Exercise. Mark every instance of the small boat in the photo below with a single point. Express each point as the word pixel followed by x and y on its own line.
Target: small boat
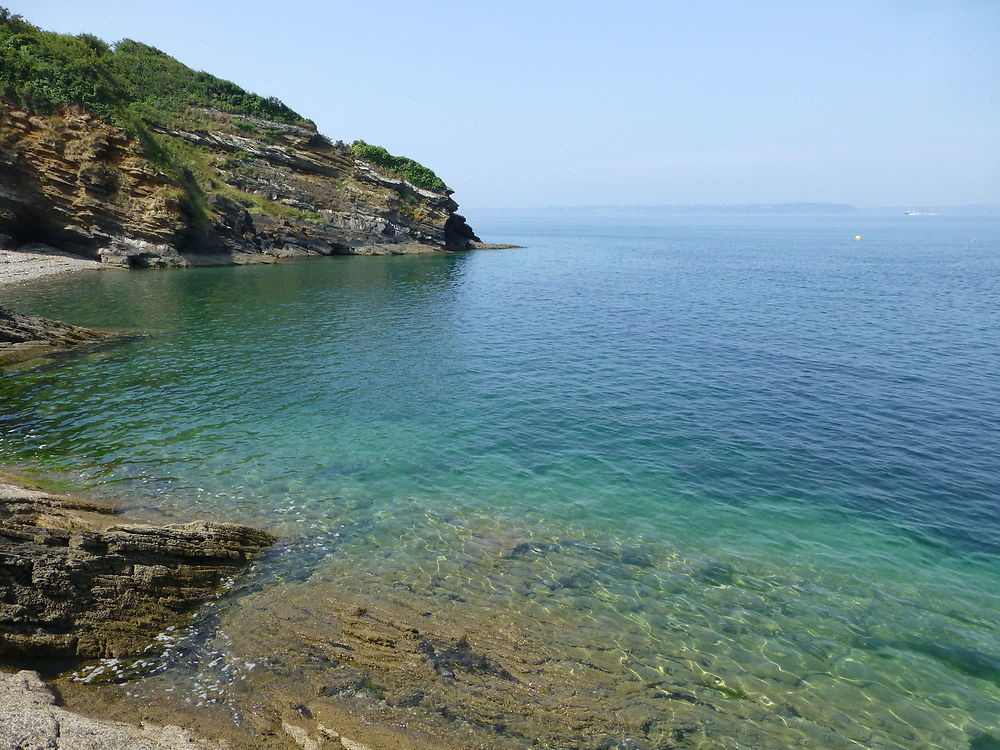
pixel 912 213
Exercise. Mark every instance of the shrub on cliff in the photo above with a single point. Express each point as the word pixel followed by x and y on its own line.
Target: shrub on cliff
pixel 159 80
pixel 39 70
pixel 408 169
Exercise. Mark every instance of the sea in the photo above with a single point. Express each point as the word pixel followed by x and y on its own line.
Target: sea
pixel 733 480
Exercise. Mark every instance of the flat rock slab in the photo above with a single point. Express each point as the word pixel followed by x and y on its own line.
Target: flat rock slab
pixel 76 582
pixel 24 337
pixel 31 720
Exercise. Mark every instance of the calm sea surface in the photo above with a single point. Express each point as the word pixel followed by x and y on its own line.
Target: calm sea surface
pixel 760 456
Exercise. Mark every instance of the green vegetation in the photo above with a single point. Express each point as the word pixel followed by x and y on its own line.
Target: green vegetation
pixel 245 127
pixel 128 83
pixel 273 208
pixel 719 686
pixel 408 169
pixel 188 165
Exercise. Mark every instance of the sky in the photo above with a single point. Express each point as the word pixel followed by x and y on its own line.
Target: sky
pixel 533 104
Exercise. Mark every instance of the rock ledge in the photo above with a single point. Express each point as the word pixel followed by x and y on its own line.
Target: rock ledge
pixel 24 337
pixel 76 583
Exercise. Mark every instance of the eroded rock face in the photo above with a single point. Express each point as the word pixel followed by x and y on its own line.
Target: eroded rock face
pixel 79 184
pixel 262 190
pixel 76 583
pixel 23 337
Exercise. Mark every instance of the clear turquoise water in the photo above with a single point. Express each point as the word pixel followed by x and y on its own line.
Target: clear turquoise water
pixel 786 439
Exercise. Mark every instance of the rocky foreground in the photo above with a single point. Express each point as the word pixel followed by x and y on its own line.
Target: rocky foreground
pixel 76 582
pixel 30 719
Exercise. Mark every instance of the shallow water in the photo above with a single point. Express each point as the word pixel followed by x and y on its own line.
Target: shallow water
pixel 715 481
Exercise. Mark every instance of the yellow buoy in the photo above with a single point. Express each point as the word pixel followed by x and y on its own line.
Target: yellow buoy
pixel 857 237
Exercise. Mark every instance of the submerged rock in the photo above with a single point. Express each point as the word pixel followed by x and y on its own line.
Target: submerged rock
pixel 447 657
pixel 77 583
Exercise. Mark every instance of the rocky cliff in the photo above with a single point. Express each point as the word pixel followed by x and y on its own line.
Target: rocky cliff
pixel 249 190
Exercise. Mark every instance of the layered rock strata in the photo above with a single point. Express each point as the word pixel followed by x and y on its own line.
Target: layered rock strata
pixel 76 582
pixel 253 191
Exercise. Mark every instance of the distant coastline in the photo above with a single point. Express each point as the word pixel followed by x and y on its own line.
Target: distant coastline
pixel 695 208
pixel 770 209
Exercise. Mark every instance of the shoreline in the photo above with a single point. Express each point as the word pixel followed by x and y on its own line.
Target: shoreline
pixel 37 261
pixel 33 262
pixel 369 662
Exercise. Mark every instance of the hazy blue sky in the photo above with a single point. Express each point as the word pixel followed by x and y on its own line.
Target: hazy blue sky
pixel 570 103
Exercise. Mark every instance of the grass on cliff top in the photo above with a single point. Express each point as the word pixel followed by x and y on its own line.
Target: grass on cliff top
pixel 121 83
pixel 408 169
